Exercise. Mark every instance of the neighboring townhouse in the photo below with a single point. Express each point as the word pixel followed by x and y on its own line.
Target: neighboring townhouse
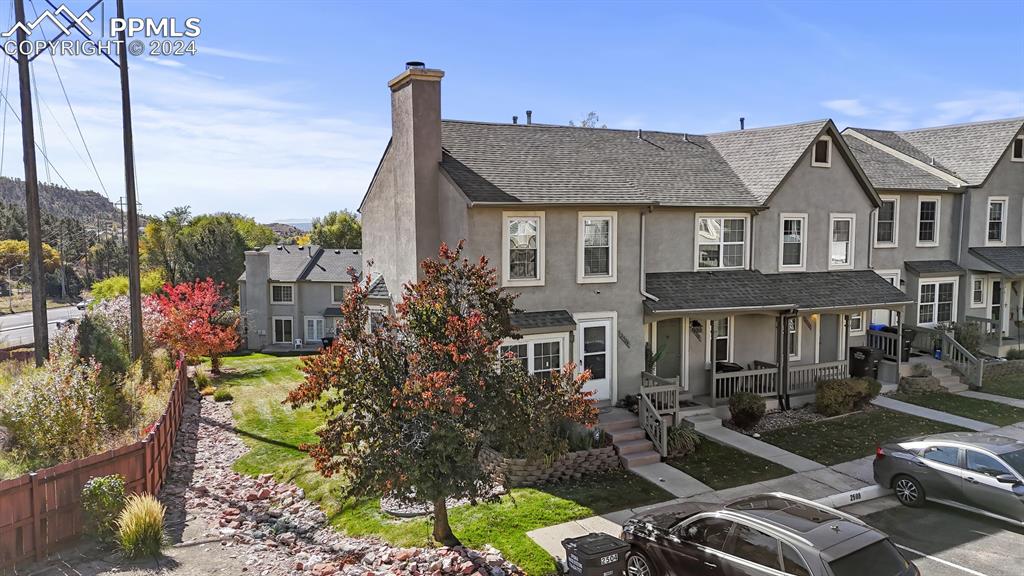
pixel 290 296
pixel 949 231
pixel 691 266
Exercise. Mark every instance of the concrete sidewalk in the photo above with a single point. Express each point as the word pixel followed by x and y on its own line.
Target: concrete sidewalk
pixel 751 445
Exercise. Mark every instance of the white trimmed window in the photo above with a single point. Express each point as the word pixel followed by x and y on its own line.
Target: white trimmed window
pixel 721 241
pixel 928 209
pixel 597 238
pixel 337 293
pixel 887 223
pixel 821 155
pixel 995 234
pixel 315 327
pixel 1017 154
pixel 936 301
pixel 282 294
pixel 792 246
pixel 722 341
pixel 540 354
pixel 377 314
pixel 523 248
pixel 857 324
pixel 841 239
pixel 977 292
pixel 282 329
pixel 793 336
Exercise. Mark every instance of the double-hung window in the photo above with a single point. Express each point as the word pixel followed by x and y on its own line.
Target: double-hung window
pixel 793 337
pixel 721 344
pixel 857 324
pixel 1017 154
pixel 539 355
pixel 886 223
pixel 337 293
pixel 596 257
pixel 928 221
pixel 977 291
pixel 996 232
pixel 936 302
pixel 721 242
pixel 841 241
pixel 793 245
pixel 282 294
pixel 523 249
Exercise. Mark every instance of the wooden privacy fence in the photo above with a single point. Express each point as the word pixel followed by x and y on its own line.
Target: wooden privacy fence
pixel 41 511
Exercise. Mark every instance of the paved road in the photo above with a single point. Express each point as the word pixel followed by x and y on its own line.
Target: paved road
pixel 16 329
pixel 943 541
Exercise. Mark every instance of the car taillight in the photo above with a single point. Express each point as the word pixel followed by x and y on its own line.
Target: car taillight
pixel 879 453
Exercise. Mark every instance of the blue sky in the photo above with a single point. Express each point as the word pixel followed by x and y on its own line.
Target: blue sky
pixel 285 111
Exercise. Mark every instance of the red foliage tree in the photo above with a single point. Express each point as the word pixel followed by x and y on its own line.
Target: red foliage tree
pixel 411 401
pixel 197 320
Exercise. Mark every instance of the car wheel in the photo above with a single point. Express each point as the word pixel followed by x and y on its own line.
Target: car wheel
pixel 637 564
pixel 908 491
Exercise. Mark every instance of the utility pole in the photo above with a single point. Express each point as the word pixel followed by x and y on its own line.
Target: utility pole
pixel 134 286
pixel 35 243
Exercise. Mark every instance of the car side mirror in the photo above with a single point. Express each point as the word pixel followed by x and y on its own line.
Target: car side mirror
pixel 1007 479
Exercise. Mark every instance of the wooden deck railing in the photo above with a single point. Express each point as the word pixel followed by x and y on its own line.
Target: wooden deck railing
pixel 763 382
pixel 802 379
pixel 887 342
pixel 41 511
pixel 971 367
pixel 663 393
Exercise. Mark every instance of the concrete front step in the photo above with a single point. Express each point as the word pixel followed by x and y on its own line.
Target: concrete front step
pixel 619 436
pixel 703 422
pixel 635 459
pixel 618 421
pixel 634 446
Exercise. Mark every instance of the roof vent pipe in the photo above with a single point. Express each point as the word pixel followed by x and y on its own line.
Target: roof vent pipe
pixel 743 122
pixel 686 137
pixel 639 133
pixel 529 117
pixel 515 119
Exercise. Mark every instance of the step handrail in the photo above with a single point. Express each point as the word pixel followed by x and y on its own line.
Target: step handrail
pixel 653 425
pixel 967 364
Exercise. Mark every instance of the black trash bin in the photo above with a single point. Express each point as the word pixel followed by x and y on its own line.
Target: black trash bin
pixel 595 555
pixel 861 362
pixel 327 341
pixel 908 340
pixel 722 366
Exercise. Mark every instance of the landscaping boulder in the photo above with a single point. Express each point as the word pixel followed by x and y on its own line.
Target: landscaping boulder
pixel 920 385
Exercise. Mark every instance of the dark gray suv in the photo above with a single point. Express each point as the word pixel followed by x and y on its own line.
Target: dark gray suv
pixel 765 534
pixel 975 471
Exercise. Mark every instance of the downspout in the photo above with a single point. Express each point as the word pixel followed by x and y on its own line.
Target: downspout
pixel 960 235
pixel 643 265
pixel 872 223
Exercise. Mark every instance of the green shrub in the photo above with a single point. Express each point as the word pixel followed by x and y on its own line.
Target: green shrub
pixel 835 397
pixel 746 409
pixel 968 335
pixel 140 526
pixel 102 502
pixel 1015 354
pixel 222 395
pixel 682 440
pixel 201 380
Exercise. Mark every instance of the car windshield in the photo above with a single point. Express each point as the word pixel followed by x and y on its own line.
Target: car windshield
pixel 1015 460
pixel 878 559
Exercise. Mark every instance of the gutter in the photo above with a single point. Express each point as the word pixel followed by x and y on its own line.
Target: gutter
pixel 643 267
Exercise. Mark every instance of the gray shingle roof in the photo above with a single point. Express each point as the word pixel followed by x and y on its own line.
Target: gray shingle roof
pixel 968 151
pixel 379 289
pixel 313 263
pixel 763 156
pixel 560 164
pixel 742 289
pixel 542 319
pixel 1007 258
pixel 925 267
pixel 889 172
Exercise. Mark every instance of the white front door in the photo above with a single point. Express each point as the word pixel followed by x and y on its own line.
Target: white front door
pixel 314 328
pixel 596 346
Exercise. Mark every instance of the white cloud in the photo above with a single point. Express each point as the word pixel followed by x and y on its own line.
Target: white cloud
pixel 978 106
pixel 209 143
pixel 236 55
pixel 847 107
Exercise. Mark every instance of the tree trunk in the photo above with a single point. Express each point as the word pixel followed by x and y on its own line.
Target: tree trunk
pixel 442 531
pixel 214 364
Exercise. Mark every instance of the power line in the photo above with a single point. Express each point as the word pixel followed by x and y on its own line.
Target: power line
pixel 39 120
pixel 41 151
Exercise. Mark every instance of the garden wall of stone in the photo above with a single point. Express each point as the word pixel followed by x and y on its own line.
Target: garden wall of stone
pixel 571 466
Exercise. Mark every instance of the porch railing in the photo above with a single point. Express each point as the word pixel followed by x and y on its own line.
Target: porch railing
pixel 763 382
pixel 653 424
pixel 924 338
pixel 803 379
pixel 887 342
pixel 663 393
pixel 972 367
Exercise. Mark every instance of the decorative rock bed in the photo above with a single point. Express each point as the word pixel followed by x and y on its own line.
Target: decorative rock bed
pixel 571 466
pixel 997 369
pixel 920 385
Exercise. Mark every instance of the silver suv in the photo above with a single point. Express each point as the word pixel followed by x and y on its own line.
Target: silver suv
pixel 975 471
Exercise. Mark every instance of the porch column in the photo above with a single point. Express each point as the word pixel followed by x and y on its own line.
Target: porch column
pixel 845 352
pixel 783 360
pixel 899 342
pixel 711 343
pixel 684 353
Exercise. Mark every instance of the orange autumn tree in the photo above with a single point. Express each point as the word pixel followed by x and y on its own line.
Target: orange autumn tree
pixel 197 320
pixel 410 401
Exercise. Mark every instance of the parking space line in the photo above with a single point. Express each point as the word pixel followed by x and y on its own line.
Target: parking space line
pixel 941 561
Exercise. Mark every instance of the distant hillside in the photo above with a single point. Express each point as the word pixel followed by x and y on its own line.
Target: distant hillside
pixel 82 205
pixel 285 231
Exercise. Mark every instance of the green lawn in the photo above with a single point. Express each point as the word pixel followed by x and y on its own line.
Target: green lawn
pixel 720 466
pixel 273 431
pixel 850 437
pixel 1011 385
pixel 973 408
